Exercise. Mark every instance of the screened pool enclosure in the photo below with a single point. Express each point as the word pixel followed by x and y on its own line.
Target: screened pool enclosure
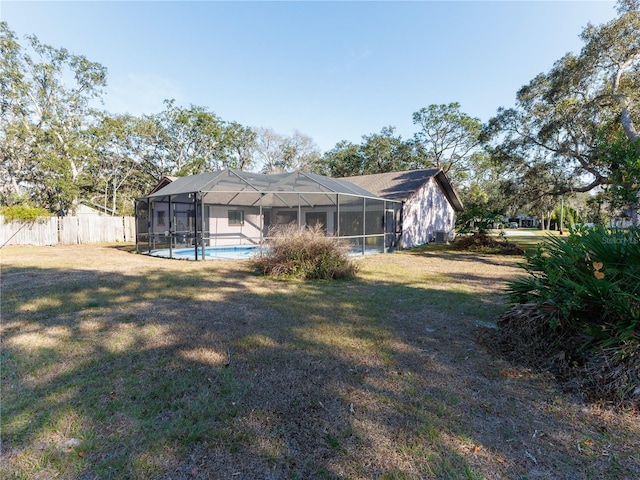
pixel 235 209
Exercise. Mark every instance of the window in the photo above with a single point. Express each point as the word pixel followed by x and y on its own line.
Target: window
pixel 284 217
pixel 161 218
pixel 236 217
pixel 317 218
pixel 350 223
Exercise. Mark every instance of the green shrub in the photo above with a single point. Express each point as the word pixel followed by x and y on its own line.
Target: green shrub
pixel 305 254
pixel 577 314
pixel 23 213
pixel 477 220
pixel 589 283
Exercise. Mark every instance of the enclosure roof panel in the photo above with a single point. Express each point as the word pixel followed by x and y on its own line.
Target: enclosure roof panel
pixel 340 185
pixel 189 184
pixel 225 181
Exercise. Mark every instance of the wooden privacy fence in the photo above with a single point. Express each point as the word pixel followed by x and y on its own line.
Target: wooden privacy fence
pixel 68 230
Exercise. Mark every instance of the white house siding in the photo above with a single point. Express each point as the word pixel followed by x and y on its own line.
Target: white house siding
pixel 280 215
pixel 222 233
pixel 424 213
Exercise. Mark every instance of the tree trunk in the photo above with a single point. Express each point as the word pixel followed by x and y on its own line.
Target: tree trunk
pixel 628 125
pixel 113 204
pixel 14 184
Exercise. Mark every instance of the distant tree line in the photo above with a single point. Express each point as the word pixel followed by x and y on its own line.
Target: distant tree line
pixel 573 130
pixel 56 148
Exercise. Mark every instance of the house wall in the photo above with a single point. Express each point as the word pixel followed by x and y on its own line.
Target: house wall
pixel 278 214
pixel 424 213
pixel 83 209
pixel 160 217
pixel 621 222
pixel 221 233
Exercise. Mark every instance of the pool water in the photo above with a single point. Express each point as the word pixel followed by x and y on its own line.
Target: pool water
pixel 232 252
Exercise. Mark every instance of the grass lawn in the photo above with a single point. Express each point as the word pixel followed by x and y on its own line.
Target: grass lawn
pixel 529 239
pixel 116 365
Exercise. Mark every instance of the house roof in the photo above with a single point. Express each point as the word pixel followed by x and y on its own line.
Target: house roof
pixel 395 186
pixel 163 183
pixel 236 186
pixel 92 207
pixel 401 186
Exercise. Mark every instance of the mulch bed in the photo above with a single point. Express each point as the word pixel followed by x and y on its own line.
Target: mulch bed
pixel 483 243
pixel 609 376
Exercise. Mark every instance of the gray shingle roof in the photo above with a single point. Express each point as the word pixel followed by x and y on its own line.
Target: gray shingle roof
pixel 396 186
pixel 402 185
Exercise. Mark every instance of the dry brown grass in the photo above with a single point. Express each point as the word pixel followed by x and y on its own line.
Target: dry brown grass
pixel 174 369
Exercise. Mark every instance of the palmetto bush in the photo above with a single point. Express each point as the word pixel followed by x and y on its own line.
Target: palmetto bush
pixel 577 313
pixel 588 282
pixel 305 253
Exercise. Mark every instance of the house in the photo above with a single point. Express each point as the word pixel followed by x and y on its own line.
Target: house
pixel 429 202
pixel 163 183
pixel 523 221
pixel 232 208
pixel 374 213
pixel 87 207
pixel 625 218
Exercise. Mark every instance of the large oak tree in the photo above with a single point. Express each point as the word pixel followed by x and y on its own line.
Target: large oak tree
pixel 448 139
pixel 45 118
pixel 377 153
pixel 566 120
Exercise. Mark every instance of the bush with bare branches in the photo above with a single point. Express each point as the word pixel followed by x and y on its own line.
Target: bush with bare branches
pixel 305 253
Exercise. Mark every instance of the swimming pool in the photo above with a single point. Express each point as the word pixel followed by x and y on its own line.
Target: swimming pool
pixel 231 252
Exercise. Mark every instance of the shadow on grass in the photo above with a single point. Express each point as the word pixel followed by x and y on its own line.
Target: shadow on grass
pixel 457 256
pixel 124 247
pixel 215 372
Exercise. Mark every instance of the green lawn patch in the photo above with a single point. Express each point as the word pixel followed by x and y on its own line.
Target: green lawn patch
pixel 127 366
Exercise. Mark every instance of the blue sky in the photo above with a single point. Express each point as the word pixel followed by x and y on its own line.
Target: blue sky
pixel 332 70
